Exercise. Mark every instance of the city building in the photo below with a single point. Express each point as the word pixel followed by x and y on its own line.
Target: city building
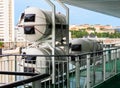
pixel 19 40
pixel 98 28
pixel 18 35
pixel 7 21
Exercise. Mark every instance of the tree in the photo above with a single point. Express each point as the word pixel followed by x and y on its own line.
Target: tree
pixel 91 28
pixel 82 32
pixel 78 33
pixel 1 44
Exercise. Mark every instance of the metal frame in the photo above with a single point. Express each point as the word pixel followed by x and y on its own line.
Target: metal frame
pixel 67 37
pixel 54 35
pixel 53 39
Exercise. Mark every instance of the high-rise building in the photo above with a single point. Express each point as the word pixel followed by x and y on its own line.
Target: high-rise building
pixel 7 20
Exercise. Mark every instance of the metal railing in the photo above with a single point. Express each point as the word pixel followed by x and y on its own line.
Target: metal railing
pixel 85 70
pixel 25 81
pixel 19 67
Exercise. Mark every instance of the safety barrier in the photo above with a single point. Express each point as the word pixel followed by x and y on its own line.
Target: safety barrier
pixel 71 71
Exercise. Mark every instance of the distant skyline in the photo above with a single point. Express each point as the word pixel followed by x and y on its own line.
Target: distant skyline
pixel 77 15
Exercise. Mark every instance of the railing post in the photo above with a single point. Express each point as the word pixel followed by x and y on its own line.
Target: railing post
pixel 37 84
pixel 68 79
pixel 104 68
pixel 15 67
pixel 115 61
pixel 94 67
pixel 77 72
pixel 88 71
pixel 7 68
pixel 109 55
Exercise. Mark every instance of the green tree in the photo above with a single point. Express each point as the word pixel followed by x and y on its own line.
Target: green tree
pixel 92 28
pixel 1 44
pixel 78 33
pixel 82 32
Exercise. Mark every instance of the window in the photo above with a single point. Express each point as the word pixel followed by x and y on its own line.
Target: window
pixel 1 39
pixel 76 47
pixel 29 69
pixel 29 59
pixel 29 30
pixel 29 18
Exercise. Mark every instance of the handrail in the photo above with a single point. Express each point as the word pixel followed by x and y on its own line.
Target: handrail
pixel 25 81
pixel 81 54
pixel 18 73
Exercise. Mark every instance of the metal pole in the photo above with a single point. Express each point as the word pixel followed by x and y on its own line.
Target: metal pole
pixel 94 67
pixel 37 84
pixel 66 9
pixel 53 39
pixel 67 23
pixel 88 71
pixel 16 67
pixel 67 38
pixel 77 72
pixel 104 68
pixel 115 64
pixel 109 54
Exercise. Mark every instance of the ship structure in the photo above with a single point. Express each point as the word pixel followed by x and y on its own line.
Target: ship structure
pixel 53 60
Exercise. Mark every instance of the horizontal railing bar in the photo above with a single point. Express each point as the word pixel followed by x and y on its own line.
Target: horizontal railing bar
pixel 116 48
pixel 22 82
pixel 18 73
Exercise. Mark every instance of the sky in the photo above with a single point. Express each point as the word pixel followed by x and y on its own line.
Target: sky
pixel 78 16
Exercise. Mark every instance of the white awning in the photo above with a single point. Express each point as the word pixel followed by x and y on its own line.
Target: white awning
pixel 109 7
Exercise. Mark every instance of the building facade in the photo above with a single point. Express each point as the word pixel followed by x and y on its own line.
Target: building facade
pixel 19 40
pixel 7 21
pixel 98 28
